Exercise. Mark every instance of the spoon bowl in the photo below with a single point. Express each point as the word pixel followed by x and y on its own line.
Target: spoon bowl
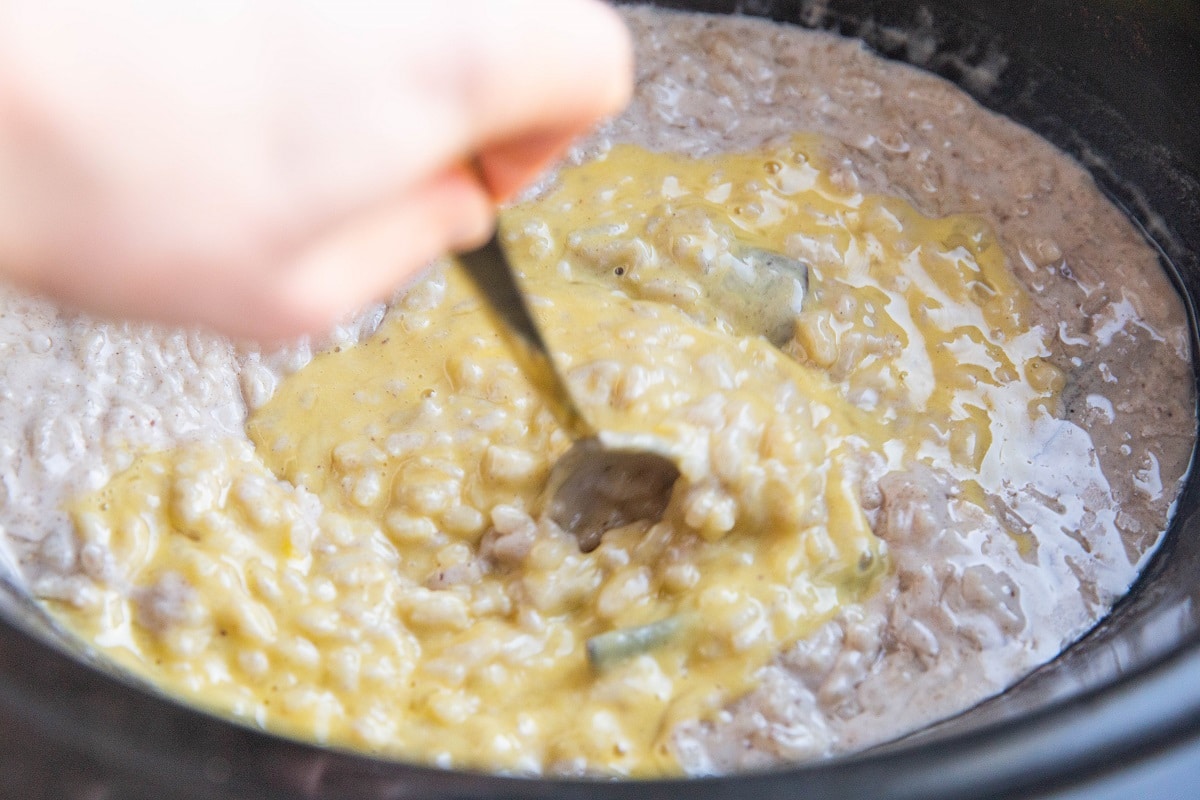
pixel 604 480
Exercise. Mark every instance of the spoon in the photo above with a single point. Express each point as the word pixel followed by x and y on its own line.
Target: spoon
pixel 605 480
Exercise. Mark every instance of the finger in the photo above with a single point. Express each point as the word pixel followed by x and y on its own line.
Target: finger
pixel 541 71
pixel 579 71
pixel 441 83
pixel 368 256
pixel 508 167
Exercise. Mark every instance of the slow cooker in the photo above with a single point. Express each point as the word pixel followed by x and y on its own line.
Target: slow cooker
pixel 1116 83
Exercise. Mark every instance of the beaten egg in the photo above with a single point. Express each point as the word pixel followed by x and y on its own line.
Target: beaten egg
pixel 374 572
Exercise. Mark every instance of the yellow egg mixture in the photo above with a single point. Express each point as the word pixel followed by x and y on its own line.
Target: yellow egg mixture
pixel 373 573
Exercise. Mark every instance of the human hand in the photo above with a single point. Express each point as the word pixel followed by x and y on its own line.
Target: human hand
pixel 267 168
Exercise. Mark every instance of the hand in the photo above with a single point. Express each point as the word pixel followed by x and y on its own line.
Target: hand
pixel 266 168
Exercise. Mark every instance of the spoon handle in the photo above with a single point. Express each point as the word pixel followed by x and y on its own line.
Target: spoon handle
pixel 490 271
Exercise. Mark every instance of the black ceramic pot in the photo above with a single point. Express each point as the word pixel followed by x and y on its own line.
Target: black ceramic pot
pixel 1117 79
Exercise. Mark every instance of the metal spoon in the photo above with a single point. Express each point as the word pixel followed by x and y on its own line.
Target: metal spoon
pixel 604 480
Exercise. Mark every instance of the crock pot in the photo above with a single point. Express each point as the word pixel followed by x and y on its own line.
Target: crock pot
pixel 1113 82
